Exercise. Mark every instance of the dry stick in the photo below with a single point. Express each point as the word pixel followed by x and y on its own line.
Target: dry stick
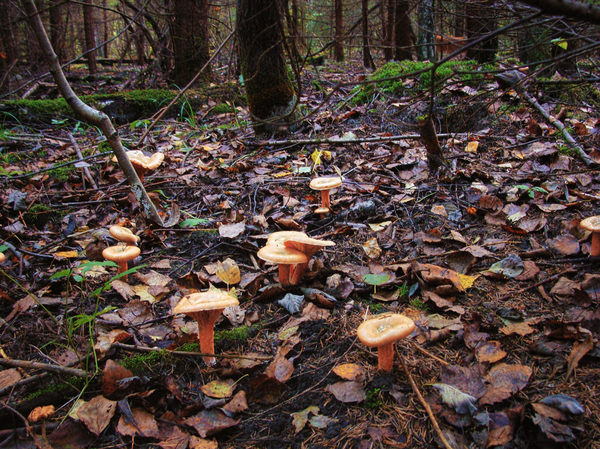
pixel 184 90
pixel 558 125
pixel 188 353
pixel 523 290
pixel 45 367
pixel 86 171
pixel 90 115
pixel 423 402
pixel 429 354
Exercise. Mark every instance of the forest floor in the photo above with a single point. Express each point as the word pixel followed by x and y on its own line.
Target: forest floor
pixel 486 256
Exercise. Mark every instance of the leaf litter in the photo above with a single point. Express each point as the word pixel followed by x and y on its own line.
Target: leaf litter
pixel 511 351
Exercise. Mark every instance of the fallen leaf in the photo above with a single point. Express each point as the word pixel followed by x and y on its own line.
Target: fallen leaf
pixel 232 231
pixel 350 371
pixel 280 368
pixel 299 419
pixel 371 248
pixel 564 403
pixel 111 375
pixel 509 267
pixel 219 388
pixel 228 271
pixel 96 414
pixel 9 377
pixel 237 404
pixel 579 350
pixel 461 402
pixel 347 391
pixel 490 352
pixel 210 422
pixel 505 380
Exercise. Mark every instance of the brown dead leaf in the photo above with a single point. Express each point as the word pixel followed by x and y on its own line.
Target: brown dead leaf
pixel 579 350
pixel 9 377
pixel 461 261
pixel 96 414
pixel 280 368
pixel 490 352
pixel 347 391
pixel 265 390
pixel 517 328
pixel 350 371
pixel 505 380
pixel 563 245
pixel 219 388
pixel 549 412
pixel 111 375
pixel 232 231
pixel 237 404
pixel 210 422
pixel 501 431
pixel 201 443
pixel 371 248
pixel 228 271
pixel 145 424
pixel 174 439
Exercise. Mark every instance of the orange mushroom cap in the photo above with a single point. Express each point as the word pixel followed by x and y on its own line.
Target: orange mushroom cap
pixel 291 263
pixel 325 183
pixel 381 332
pixel 124 235
pixel 121 253
pixel 592 224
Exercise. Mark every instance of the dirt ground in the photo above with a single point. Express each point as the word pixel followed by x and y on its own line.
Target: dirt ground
pixel 486 257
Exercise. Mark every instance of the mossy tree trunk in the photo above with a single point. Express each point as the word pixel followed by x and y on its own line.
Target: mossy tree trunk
pixel 90 35
pixel 189 32
pixel 7 48
pixel 388 50
pixel 269 89
pixel 338 48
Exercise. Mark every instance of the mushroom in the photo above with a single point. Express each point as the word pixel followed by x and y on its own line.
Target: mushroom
pixel 381 332
pixel 205 308
pixel 142 163
pixel 287 260
pixel 325 185
pixel 2 257
pixel 121 255
pixel 592 224
pixel 41 414
pixel 124 235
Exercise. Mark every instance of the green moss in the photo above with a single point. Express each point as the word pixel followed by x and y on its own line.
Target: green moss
pixel 38 215
pixel 418 303
pixel 373 400
pixel 70 386
pixel 468 72
pixel 62 174
pixel 239 334
pixel 222 108
pixel 189 347
pixel 142 362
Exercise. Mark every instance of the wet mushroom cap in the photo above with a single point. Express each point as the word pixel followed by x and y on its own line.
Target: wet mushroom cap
pixel 306 244
pixel 322 210
pixel 591 224
pixel 199 302
pixel 2 257
pixel 385 329
pixel 325 183
pixel 142 162
pixel 281 255
pixel 124 235
pixel 277 238
pixel 121 253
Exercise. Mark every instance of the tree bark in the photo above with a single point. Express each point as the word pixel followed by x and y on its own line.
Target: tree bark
pixel 269 89
pixel 367 59
pixel 338 48
pixel 388 51
pixel 481 21
pixel 426 39
pixel 7 48
pixel 91 115
pixel 90 36
pixel 189 31
pixel 403 32
pixel 57 29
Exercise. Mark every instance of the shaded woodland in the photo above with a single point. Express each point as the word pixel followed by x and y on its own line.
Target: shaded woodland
pixel 433 164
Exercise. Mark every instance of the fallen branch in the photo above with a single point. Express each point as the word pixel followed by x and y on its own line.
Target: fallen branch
pixel 523 290
pixel 558 125
pixel 189 353
pixel 44 367
pixel 423 402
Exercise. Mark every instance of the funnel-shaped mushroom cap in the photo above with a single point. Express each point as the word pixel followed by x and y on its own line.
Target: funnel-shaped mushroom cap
pixel 198 302
pixel 591 224
pixel 148 162
pixel 307 245
pixel 277 238
pixel 2 257
pixel 124 235
pixel 385 329
pixel 325 183
pixel 121 253
pixel 281 255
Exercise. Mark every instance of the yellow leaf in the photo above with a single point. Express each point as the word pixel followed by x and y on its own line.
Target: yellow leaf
pixel 67 254
pixel 219 388
pixel 228 271
pixel 350 371
pixel 379 226
pixel 282 174
pixel 472 147
pixel 466 281
pixel 371 248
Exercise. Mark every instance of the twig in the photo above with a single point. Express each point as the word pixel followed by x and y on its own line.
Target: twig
pixel 523 290
pixel 45 367
pixel 54 167
pixel 86 171
pixel 188 353
pixel 429 354
pixel 423 402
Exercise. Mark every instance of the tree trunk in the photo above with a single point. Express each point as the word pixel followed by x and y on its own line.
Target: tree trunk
pixel 7 48
pixel 189 31
pixel 90 36
pixel 403 32
pixel 269 89
pixel 426 39
pixel 57 30
pixel 388 51
pixel 367 59
pixel 338 48
pixel 481 21
pixel 105 28
pixel 91 115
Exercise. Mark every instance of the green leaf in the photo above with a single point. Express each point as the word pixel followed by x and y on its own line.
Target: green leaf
pixel 193 222
pixel 87 266
pixel 61 274
pixel 3 248
pixel 560 42
pixel 376 279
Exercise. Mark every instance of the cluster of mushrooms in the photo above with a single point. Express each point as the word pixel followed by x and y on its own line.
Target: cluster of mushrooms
pixel 124 253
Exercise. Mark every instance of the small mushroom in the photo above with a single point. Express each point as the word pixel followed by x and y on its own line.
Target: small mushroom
pixel 592 224
pixel 381 332
pixel 142 163
pixel 325 185
pixel 205 308
pixel 287 260
pixel 41 414
pixel 2 257
pixel 121 255
pixel 124 235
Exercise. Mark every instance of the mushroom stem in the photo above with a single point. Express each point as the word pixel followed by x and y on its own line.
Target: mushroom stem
pixel 285 275
pixel 297 272
pixel 385 354
pixel 206 332
pixel 595 248
pixel 122 268
pixel 325 201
